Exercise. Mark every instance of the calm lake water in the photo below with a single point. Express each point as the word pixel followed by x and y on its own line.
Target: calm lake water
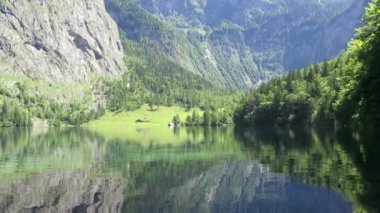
pixel 189 170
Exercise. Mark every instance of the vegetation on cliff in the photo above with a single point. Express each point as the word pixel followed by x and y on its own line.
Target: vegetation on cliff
pixel 345 89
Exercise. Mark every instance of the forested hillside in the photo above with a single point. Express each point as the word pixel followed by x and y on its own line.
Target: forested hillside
pixel 55 76
pixel 187 53
pixel 346 89
pixel 239 43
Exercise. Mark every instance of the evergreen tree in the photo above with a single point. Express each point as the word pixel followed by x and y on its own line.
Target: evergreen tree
pixel 195 119
pixel 207 118
pixel 325 69
pixel 176 120
pixel 189 121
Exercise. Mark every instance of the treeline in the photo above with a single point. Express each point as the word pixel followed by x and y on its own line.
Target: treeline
pixel 342 91
pixel 302 97
pixel 18 106
pixel 12 114
pixel 217 117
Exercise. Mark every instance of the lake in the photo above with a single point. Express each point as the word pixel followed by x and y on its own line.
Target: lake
pixel 189 170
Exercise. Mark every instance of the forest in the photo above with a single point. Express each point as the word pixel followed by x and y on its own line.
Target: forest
pixel 190 106
pixel 344 91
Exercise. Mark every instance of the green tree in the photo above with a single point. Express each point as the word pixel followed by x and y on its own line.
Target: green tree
pixel 214 118
pixel 196 119
pixel 325 69
pixel 19 118
pixel 207 118
pixel 176 120
pixel 189 121
pixel 151 104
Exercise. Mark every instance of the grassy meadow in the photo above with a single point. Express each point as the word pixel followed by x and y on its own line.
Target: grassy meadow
pixel 123 126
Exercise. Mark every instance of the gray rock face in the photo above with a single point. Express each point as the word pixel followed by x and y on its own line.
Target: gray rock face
pixel 326 41
pixel 245 42
pixel 59 41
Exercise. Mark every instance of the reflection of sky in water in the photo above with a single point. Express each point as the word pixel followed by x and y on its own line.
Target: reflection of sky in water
pixel 213 170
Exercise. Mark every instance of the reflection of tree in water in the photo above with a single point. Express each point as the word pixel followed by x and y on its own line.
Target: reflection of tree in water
pixel 14 140
pixel 339 160
pixel 24 152
pixel 316 157
pixel 208 170
pixel 52 171
pixel 364 149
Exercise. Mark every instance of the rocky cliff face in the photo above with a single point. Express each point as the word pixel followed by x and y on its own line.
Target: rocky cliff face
pixel 59 41
pixel 242 42
pixel 326 41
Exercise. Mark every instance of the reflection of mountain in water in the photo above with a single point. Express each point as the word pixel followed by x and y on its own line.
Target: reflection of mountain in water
pixel 206 170
pixel 250 187
pixel 63 192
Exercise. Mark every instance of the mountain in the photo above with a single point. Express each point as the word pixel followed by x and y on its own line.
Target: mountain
pixel 63 61
pixel 343 91
pixel 326 41
pixel 238 43
pixel 59 41
pixel 234 43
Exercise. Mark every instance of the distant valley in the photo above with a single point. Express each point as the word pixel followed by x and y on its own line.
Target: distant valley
pixel 69 63
pixel 240 43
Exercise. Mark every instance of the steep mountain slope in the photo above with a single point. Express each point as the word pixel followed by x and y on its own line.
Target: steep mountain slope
pixel 343 91
pixel 239 43
pixel 326 41
pixel 160 39
pixel 59 41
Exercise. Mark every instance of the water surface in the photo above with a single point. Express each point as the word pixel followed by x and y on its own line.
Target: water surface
pixel 188 170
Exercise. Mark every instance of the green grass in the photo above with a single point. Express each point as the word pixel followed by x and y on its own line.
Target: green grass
pixel 160 116
pixel 122 126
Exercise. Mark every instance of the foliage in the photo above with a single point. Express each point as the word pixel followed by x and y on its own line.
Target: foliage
pixel 176 120
pixel 217 117
pixel 360 98
pixel 19 103
pixel 163 82
pixel 12 114
pixel 299 98
pixel 346 89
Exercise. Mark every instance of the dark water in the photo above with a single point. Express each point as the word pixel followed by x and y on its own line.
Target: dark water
pixel 202 170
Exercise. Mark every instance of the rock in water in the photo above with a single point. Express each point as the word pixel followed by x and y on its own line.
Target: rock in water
pixel 59 40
